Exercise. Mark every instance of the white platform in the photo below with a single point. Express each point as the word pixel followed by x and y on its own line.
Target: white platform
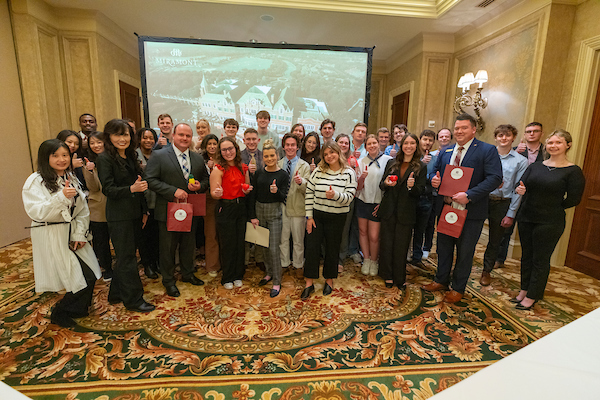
pixel 564 365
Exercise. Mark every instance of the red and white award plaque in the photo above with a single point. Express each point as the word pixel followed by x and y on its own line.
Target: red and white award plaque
pixel 455 180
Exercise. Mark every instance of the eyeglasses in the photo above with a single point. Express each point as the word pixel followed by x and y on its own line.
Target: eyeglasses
pixel 227 149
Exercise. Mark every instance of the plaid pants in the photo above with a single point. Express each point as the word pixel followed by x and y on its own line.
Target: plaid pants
pixel 269 216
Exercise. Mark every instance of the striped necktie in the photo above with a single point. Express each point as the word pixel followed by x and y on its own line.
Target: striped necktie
pixel 289 167
pixel 185 166
pixel 458 155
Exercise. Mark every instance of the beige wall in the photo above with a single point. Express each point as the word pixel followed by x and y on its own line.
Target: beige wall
pixel 406 77
pixel 15 161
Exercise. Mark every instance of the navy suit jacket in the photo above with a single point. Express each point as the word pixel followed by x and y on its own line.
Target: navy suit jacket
pixel 487 175
pixel 164 176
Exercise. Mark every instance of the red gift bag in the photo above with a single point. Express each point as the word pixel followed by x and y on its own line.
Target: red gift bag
pixel 179 217
pixel 451 221
pixel 199 203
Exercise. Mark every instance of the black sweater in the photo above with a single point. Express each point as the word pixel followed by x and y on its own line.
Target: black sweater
pixel 261 192
pixel 549 191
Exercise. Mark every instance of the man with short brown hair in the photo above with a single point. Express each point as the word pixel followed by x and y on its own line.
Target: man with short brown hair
pixel 165 124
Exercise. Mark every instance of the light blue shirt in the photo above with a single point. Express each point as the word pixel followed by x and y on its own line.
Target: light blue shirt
pixel 513 167
pixel 388 149
pixel 294 162
pixel 363 151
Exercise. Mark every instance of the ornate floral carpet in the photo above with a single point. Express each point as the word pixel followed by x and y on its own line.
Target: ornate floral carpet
pixel 362 342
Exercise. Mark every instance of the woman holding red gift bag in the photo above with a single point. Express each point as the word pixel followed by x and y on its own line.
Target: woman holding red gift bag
pixel 230 183
pixel 402 183
pixel 126 211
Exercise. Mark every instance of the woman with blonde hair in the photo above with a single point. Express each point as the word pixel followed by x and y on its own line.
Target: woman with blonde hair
pixel 270 190
pixel 548 189
pixel 329 192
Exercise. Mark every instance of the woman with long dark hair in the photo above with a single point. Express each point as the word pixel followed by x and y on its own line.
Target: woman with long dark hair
pixel 208 149
pixel 62 256
pixel 73 141
pixel 402 183
pixel 146 139
pixel 329 192
pixel 97 205
pixel 548 189
pixel 230 183
pixel 311 150
pixel 126 211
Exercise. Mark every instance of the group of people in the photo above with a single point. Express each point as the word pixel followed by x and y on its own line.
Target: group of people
pixel 327 196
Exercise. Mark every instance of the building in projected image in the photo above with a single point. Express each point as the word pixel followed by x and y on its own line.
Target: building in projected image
pixel 228 99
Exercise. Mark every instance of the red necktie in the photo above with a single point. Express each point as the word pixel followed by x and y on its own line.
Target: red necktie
pixel 458 155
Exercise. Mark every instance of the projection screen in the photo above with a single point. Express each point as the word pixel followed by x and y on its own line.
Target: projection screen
pixel 215 80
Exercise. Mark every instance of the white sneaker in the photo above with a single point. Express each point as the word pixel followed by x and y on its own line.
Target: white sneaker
pixel 228 286
pixel 237 283
pixel 425 255
pixel 356 258
pixel 374 268
pixel 213 274
pixel 366 267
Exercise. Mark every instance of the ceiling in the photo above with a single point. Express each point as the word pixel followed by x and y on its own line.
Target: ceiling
pixel 386 24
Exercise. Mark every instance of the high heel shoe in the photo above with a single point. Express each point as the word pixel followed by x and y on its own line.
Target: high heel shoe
pixel 327 290
pixel 525 308
pixel 307 291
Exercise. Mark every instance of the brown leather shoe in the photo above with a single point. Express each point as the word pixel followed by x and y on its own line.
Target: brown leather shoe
pixel 452 296
pixel 486 278
pixel 434 286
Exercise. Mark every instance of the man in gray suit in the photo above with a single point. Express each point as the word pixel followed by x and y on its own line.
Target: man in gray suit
pixel 167 174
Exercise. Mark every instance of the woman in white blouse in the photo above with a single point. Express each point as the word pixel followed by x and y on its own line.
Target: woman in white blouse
pixel 367 203
pixel 62 256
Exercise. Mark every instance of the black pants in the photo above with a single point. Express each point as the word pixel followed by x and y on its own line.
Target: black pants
pixel 465 249
pixel 149 244
pixel 169 241
pixel 101 244
pixel 328 230
pixel 231 218
pixel 126 285
pixel 497 210
pixel 394 241
pixel 537 242
pixel 424 207
pixel 76 305
pixel 200 238
pixel 505 243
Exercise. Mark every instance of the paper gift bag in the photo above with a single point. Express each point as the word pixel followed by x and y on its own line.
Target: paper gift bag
pixel 455 180
pixel 179 217
pixel 451 221
pixel 199 203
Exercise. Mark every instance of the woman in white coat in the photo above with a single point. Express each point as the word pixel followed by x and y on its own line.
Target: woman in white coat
pixel 62 256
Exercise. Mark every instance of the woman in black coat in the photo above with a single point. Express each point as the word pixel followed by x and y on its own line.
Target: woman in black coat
pixel 126 211
pixel 402 183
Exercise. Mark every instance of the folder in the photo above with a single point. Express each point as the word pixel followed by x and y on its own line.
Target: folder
pixel 258 235
pixel 455 180
pixel 451 221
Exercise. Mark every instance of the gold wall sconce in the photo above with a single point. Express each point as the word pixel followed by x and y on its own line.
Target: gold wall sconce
pixel 477 101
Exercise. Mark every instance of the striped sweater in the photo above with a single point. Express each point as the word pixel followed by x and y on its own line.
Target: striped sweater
pixel 344 184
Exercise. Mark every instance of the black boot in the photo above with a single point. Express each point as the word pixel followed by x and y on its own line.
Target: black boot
pixel 150 272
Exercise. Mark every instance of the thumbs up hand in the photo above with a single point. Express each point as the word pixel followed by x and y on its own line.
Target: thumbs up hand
pixel 410 182
pixel 217 192
pixel 69 191
pixel 426 158
pixel 77 162
pixel 298 178
pixel 273 186
pixel 139 185
pixel 364 173
pixel 330 193
pixel 521 189
pixel 522 146
pixel 436 180
pixel 89 165
pixel 312 165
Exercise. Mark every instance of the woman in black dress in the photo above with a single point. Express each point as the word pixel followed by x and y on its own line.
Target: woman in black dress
pixel 126 211
pixel 548 189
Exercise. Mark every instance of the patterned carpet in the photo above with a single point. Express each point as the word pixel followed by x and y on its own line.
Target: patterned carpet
pixel 363 342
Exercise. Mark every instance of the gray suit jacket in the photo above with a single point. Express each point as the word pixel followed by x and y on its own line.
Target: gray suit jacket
pixel 164 177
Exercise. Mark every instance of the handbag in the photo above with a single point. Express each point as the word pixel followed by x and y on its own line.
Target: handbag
pixel 179 217
pixel 199 203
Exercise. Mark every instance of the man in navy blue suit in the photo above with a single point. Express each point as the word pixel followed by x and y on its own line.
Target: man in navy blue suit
pixel 487 176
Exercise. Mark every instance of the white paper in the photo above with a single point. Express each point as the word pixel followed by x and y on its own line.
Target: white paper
pixel 258 235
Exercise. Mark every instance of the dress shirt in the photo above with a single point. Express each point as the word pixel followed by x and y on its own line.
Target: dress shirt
pixel 513 167
pixel 294 162
pixel 533 154
pixel 178 153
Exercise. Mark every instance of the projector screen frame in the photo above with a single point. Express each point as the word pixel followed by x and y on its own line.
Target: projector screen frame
pixel 160 39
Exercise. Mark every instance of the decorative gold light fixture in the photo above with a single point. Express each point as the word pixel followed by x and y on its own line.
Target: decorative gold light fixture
pixel 477 101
